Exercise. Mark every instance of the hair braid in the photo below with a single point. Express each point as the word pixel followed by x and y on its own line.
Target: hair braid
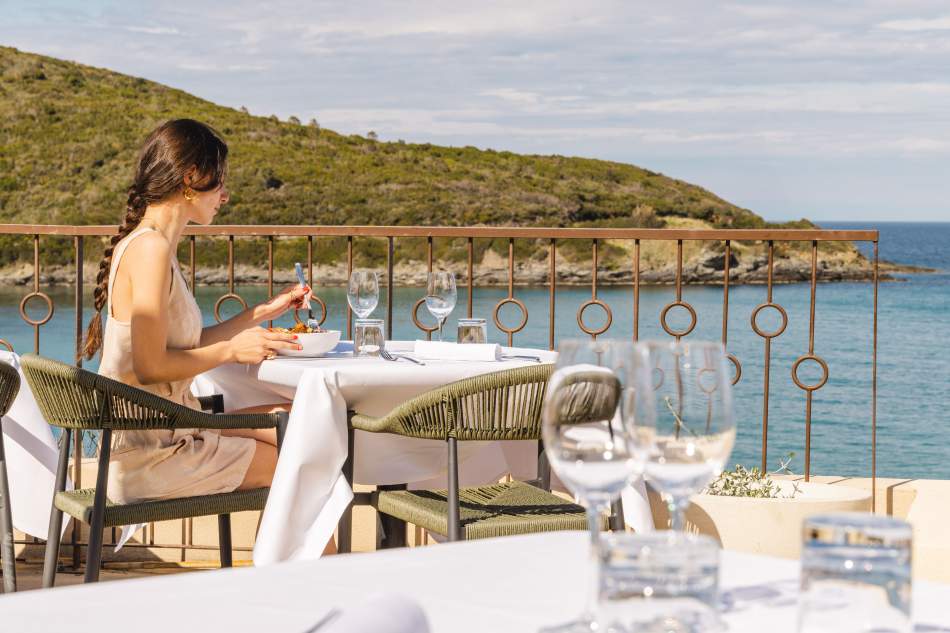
pixel 135 209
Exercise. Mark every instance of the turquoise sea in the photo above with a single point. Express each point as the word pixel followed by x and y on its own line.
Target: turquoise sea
pixel 913 359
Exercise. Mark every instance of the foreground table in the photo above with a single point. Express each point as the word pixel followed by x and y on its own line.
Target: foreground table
pixel 497 585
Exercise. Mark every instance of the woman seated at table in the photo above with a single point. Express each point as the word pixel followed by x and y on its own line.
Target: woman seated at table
pixel 154 337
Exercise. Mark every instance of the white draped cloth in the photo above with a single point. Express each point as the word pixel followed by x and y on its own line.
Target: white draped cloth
pixel 309 493
pixel 32 455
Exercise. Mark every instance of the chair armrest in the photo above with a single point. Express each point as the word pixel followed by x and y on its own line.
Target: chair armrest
pixel 231 421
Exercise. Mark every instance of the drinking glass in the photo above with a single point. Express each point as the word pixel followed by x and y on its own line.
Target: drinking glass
pixel 362 292
pixel 585 436
pixel 368 337
pixel 441 296
pixel 472 331
pixel 660 582
pixel 855 574
pixel 687 428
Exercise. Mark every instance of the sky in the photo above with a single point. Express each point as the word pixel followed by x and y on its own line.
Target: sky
pixel 825 109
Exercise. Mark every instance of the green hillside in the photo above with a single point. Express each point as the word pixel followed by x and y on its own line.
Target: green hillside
pixel 69 133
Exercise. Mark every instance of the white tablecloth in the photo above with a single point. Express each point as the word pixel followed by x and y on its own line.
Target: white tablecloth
pixel 309 492
pixel 515 584
pixel 32 456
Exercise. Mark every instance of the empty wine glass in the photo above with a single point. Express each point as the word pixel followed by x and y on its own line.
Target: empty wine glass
pixel 362 292
pixel 687 428
pixel 586 439
pixel 441 296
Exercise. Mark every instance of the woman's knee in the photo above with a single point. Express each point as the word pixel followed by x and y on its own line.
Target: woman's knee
pixel 260 473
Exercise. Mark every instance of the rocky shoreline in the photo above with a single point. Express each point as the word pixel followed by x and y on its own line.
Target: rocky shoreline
pixel 706 269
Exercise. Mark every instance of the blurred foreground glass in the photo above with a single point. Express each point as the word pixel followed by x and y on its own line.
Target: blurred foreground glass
pixel 472 331
pixel 368 337
pixel 687 427
pixel 441 296
pixel 658 583
pixel 362 292
pixel 856 574
pixel 585 438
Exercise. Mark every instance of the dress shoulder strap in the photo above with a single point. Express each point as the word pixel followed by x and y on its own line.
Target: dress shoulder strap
pixel 117 257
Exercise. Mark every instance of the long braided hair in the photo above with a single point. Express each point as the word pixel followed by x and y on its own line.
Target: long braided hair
pixel 172 151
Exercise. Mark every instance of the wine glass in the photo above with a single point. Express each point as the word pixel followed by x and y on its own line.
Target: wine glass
pixel 586 440
pixel 441 296
pixel 362 292
pixel 687 428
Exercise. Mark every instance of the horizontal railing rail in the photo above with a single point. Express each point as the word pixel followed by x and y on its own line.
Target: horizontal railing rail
pixel 547 237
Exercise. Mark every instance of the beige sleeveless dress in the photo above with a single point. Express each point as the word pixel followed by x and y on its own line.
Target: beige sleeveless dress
pixel 150 465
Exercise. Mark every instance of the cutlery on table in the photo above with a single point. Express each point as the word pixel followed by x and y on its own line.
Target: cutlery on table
pixel 536 359
pixel 298 269
pixel 331 615
pixel 387 356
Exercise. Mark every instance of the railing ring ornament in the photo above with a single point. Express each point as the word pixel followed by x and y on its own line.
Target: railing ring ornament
pixel 692 317
pixel 524 315
pixel 824 368
pixel 49 308
pixel 323 308
pixel 419 324
pixel 226 297
pixel 737 365
pixel 6 344
pixel 776 332
pixel 580 317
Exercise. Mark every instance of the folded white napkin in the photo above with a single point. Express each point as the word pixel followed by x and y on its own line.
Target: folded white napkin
pixel 382 613
pixel 435 350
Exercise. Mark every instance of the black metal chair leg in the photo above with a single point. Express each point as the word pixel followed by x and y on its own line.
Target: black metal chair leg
pixel 224 539
pixel 6 526
pixel 393 529
pixel 54 534
pixel 97 523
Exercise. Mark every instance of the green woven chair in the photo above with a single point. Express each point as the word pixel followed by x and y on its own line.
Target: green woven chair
pixel 9 386
pixel 504 405
pixel 78 400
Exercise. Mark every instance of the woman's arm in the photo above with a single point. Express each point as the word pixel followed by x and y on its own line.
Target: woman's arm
pixel 152 362
pixel 288 298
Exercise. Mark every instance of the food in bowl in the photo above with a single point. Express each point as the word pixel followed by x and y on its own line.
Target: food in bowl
pixel 313 341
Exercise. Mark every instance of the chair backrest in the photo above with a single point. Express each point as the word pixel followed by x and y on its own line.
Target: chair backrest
pixel 74 398
pixel 9 386
pixel 503 405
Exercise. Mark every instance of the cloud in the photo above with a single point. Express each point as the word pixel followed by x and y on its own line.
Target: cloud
pixel 918 24
pixel 154 30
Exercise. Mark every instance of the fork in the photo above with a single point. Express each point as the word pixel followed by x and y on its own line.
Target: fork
pixel 387 356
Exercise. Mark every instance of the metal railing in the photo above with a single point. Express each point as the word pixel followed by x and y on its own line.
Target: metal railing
pixel 549 237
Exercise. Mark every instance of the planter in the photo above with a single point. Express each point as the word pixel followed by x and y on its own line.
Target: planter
pixel 764 526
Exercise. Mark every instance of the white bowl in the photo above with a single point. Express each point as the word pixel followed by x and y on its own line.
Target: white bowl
pixel 314 344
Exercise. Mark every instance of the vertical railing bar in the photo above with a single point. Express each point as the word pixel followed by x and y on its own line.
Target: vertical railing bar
pixel 191 263
pixel 874 389
pixel 310 261
pixel 36 289
pixel 390 263
pixel 679 270
pixel 552 285
pixel 77 437
pixel 636 290
pixel 471 275
pixel 511 279
pixel 230 264
pixel 428 269
pixel 766 372
pixel 593 276
pixel 725 295
pixel 811 350
pixel 270 271
pixel 349 271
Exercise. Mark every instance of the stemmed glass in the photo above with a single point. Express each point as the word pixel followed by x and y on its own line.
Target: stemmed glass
pixel 586 440
pixel 441 296
pixel 687 428
pixel 362 292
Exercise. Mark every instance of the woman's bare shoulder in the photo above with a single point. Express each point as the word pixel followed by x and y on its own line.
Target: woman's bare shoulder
pixel 150 247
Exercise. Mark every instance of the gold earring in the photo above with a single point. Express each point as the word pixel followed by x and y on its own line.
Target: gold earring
pixel 189 193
